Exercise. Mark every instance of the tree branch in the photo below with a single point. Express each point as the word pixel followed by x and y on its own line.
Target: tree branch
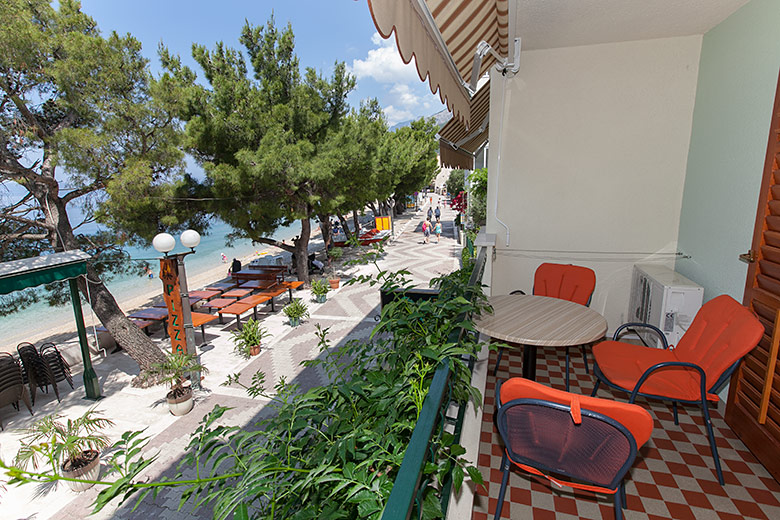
pixel 97 185
pixel 23 236
pixel 29 222
pixel 28 116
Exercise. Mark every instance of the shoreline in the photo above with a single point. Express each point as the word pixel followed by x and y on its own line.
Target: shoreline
pixel 64 331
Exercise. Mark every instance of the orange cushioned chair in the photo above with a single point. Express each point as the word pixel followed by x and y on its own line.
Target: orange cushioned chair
pixel 566 282
pixel 572 440
pixel 722 332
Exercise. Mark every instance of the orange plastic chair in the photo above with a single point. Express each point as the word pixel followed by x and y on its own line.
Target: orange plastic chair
pixel 567 282
pixel 572 440
pixel 722 332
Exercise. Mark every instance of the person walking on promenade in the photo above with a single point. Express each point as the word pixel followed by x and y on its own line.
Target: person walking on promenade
pixel 437 230
pixel 430 213
pixel 437 213
pixel 426 228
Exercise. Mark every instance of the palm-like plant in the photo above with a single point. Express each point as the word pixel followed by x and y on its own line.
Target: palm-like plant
pixel 174 370
pixel 63 442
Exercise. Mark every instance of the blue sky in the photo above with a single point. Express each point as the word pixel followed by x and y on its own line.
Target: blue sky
pixel 326 31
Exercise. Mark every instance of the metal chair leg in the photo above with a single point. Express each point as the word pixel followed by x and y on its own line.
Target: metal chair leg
pixel 595 388
pixel 567 369
pixel 674 410
pixel 502 491
pixel 623 493
pixel 711 435
pixel 585 359
pixel 618 507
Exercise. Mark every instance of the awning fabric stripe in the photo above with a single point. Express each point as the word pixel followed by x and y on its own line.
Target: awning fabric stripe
pixel 30 272
pixel 468 140
pixel 459 25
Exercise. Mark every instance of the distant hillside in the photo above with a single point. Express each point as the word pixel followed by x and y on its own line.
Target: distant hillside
pixel 441 118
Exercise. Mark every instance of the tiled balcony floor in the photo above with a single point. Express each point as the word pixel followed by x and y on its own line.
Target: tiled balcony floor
pixel 673 476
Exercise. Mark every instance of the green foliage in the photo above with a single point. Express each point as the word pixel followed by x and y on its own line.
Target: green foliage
pixel 407 157
pixel 56 442
pixel 456 182
pixel 319 287
pixel 248 336
pixel 174 369
pixel 296 309
pixel 335 253
pixel 333 451
pixel 478 196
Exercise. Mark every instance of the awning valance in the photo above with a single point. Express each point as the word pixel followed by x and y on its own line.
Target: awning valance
pixel 442 36
pixel 30 272
pixel 458 144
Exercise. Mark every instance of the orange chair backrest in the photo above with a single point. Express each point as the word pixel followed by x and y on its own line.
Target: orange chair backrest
pixel 722 332
pixel 635 418
pixel 565 281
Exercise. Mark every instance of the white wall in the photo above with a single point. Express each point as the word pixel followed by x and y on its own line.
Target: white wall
pixel 592 155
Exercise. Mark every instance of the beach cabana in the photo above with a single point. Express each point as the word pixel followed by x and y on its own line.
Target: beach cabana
pixel 69 265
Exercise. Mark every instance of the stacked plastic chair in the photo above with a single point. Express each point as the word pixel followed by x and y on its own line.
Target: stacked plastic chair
pixel 37 372
pixel 59 367
pixel 12 383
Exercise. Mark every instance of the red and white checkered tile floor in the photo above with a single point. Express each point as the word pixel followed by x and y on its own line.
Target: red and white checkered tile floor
pixel 673 476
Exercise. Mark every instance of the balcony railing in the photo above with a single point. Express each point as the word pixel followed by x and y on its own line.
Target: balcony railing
pixel 406 496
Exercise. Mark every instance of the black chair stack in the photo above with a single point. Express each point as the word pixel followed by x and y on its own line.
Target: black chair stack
pixel 59 367
pixel 38 373
pixel 12 383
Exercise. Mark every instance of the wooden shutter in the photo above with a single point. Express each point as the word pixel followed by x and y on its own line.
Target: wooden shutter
pixel 753 409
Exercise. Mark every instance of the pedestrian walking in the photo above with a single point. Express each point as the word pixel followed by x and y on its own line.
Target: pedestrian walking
pixel 437 230
pixel 437 213
pixel 426 227
pixel 430 213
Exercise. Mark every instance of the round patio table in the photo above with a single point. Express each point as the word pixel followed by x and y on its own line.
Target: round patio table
pixel 539 321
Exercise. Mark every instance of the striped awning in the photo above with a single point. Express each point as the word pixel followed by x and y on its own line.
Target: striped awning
pixel 458 144
pixel 442 36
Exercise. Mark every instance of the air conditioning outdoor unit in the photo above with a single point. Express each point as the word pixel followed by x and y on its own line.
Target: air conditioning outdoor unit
pixel 664 298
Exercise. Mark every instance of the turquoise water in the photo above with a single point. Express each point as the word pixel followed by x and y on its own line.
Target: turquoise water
pixel 39 317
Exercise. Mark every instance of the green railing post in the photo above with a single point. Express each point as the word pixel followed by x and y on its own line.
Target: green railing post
pixel 91 383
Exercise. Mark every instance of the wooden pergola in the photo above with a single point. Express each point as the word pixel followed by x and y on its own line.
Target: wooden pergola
pixel 69 265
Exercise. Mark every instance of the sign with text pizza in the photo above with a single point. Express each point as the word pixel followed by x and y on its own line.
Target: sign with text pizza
pixel 169 274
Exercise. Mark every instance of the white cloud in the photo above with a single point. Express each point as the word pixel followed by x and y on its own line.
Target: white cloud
pixel 384 64
pixel 396 115
pixel 403 95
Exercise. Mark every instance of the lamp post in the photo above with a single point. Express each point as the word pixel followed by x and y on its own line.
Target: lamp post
pixel 176 293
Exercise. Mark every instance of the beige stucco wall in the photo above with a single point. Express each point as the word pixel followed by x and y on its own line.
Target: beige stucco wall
pixel 590 164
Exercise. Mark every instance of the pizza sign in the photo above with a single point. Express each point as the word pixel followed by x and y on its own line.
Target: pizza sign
pixel 169 274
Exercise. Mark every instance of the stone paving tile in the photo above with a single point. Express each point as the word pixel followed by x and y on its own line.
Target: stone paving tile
pixel 348 314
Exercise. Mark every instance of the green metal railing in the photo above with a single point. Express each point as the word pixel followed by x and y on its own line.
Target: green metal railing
pixel 406 496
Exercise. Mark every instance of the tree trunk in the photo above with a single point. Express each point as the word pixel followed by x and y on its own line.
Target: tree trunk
pixel 127 335
pixel 356 222
pixel 302 250
pixel 377 211
pixel 345 227
pixel 326 230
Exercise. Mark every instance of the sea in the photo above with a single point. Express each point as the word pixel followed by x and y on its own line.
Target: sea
pixel 209 253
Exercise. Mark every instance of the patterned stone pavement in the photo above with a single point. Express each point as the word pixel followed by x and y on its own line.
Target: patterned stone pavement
pixel 348 314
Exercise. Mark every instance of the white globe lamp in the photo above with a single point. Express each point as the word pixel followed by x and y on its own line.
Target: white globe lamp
pixel 190 238
pixel 164 243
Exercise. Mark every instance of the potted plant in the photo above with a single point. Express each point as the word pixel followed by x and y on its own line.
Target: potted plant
pixel 247 340
pixel 73 447
pixel 296 310
pixel 173 371
pixel 320 290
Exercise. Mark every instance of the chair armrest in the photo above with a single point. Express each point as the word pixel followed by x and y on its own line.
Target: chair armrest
pixel 645 325
pixel 646 374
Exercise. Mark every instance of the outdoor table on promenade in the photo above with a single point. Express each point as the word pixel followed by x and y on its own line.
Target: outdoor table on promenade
pixel 273 292
pixel 290 286
pixel 258 284
pixel 219 303
pixel 539 321
pixel 152 314
pixel 220 286
pixel 254 300
pixel 193 301
pixel 200 319
pixel 268 267
pixel 236 293
pixel 258 274
pixel 141 324
pixel 236 309
pixel 206 294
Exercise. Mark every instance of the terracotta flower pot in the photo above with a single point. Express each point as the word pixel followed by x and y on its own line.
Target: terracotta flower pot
pixel 334 283
pixel 86 468
pixel 254 350
pixel 182 403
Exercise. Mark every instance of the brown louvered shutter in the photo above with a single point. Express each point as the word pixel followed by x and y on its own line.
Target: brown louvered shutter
pixel 753 409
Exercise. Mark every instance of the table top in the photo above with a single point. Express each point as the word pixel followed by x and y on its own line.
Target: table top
pixel 218 303
pixel 258 274
pixel 201 318
pixel 237 308
pixel 193 301
pixel 258 284
pixel 236 293
pixel 151 313
pixel 205 294
pixel 541 321
pixel 255 299
pixel 221 286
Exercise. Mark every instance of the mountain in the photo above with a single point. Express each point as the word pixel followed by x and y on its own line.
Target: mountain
pixel 441 118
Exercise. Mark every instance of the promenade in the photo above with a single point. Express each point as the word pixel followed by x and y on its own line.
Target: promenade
pixel 348 314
